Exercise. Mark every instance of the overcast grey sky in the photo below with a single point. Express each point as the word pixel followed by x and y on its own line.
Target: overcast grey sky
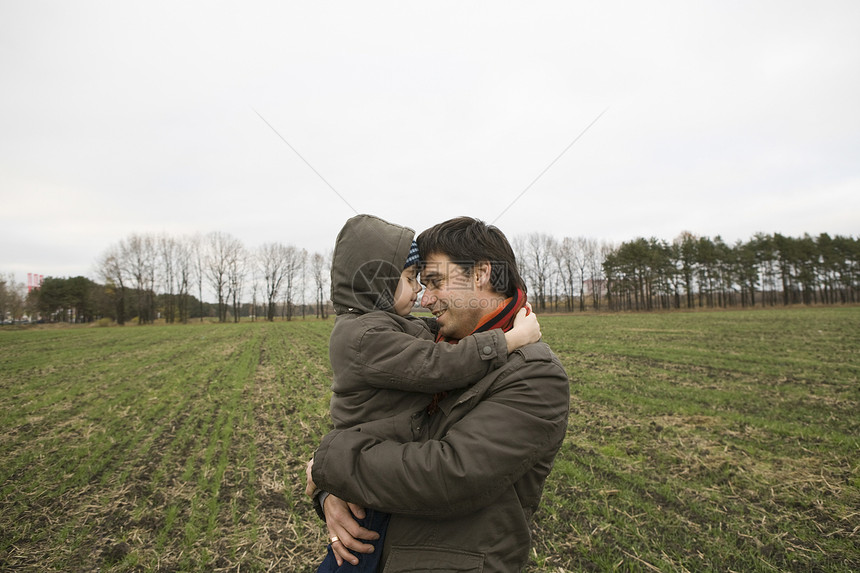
pixel 724 118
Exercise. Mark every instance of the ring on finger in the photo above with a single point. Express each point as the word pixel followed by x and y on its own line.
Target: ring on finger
pixel 334 538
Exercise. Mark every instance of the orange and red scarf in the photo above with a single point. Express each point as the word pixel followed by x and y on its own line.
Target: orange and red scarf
pixel 502 318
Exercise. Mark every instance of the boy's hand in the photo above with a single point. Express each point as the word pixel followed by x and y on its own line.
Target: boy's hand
pixel 526 329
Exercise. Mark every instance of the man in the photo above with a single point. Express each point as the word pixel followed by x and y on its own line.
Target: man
pixel 463 476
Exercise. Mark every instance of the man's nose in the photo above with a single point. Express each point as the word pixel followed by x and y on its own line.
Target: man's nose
pixel 427 299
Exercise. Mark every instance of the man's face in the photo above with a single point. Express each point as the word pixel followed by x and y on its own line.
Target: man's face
pixel 450 294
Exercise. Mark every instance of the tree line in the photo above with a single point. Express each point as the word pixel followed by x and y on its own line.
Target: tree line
pixel 147 277
pixel 269 277
pixel 689 272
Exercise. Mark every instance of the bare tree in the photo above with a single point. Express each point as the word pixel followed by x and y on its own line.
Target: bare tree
pixel 138 258
pixel 184 275
pixel 582 248
pixel 167 257
pixel 255 289
pixel 564 259
pixel 594 253
pixel 221 249
pixel 198 248
pixel 535 254
pixel 112 272
pixel 320 270
pixel 303 275
pixel 294 265
pixel 272 262
pixel 236 274
pixel 597 278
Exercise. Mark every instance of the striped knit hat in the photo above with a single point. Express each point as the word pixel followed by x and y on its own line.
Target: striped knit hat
pixel 412 258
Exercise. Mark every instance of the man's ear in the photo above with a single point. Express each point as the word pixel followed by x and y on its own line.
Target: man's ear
pixel 482 274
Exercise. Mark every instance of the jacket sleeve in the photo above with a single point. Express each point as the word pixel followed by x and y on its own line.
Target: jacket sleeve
pixel 387 357
pixel 519 423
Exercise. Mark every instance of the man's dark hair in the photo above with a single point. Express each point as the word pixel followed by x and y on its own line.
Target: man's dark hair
pixel 467 241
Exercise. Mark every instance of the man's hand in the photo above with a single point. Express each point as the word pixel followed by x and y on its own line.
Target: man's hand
pixel 342 525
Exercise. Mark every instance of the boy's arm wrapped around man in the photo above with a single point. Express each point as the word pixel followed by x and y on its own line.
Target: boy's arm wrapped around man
pixel 373 351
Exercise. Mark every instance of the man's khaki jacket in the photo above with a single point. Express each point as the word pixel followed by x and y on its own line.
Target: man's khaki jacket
pixel 462 484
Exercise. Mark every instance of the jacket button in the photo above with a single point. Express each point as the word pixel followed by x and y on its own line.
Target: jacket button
pixel 487 350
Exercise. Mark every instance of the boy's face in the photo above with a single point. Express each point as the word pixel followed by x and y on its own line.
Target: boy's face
pixel 407 291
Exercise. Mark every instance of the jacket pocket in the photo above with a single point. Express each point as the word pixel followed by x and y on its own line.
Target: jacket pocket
pixel 433 560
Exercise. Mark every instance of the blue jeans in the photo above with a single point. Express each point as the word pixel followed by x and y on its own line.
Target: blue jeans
pixel 367 562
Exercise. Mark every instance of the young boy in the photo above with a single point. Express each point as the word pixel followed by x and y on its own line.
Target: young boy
pixel 385 361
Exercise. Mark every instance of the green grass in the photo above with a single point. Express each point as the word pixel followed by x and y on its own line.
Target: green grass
pixel 714 441
pixel 708 442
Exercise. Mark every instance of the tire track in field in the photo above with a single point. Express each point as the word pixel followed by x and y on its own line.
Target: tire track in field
pixel 291 537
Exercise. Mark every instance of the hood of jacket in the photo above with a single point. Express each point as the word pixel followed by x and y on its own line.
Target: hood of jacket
pixel 368 259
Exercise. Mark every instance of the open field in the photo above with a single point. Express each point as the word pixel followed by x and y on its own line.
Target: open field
pixel 718 441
